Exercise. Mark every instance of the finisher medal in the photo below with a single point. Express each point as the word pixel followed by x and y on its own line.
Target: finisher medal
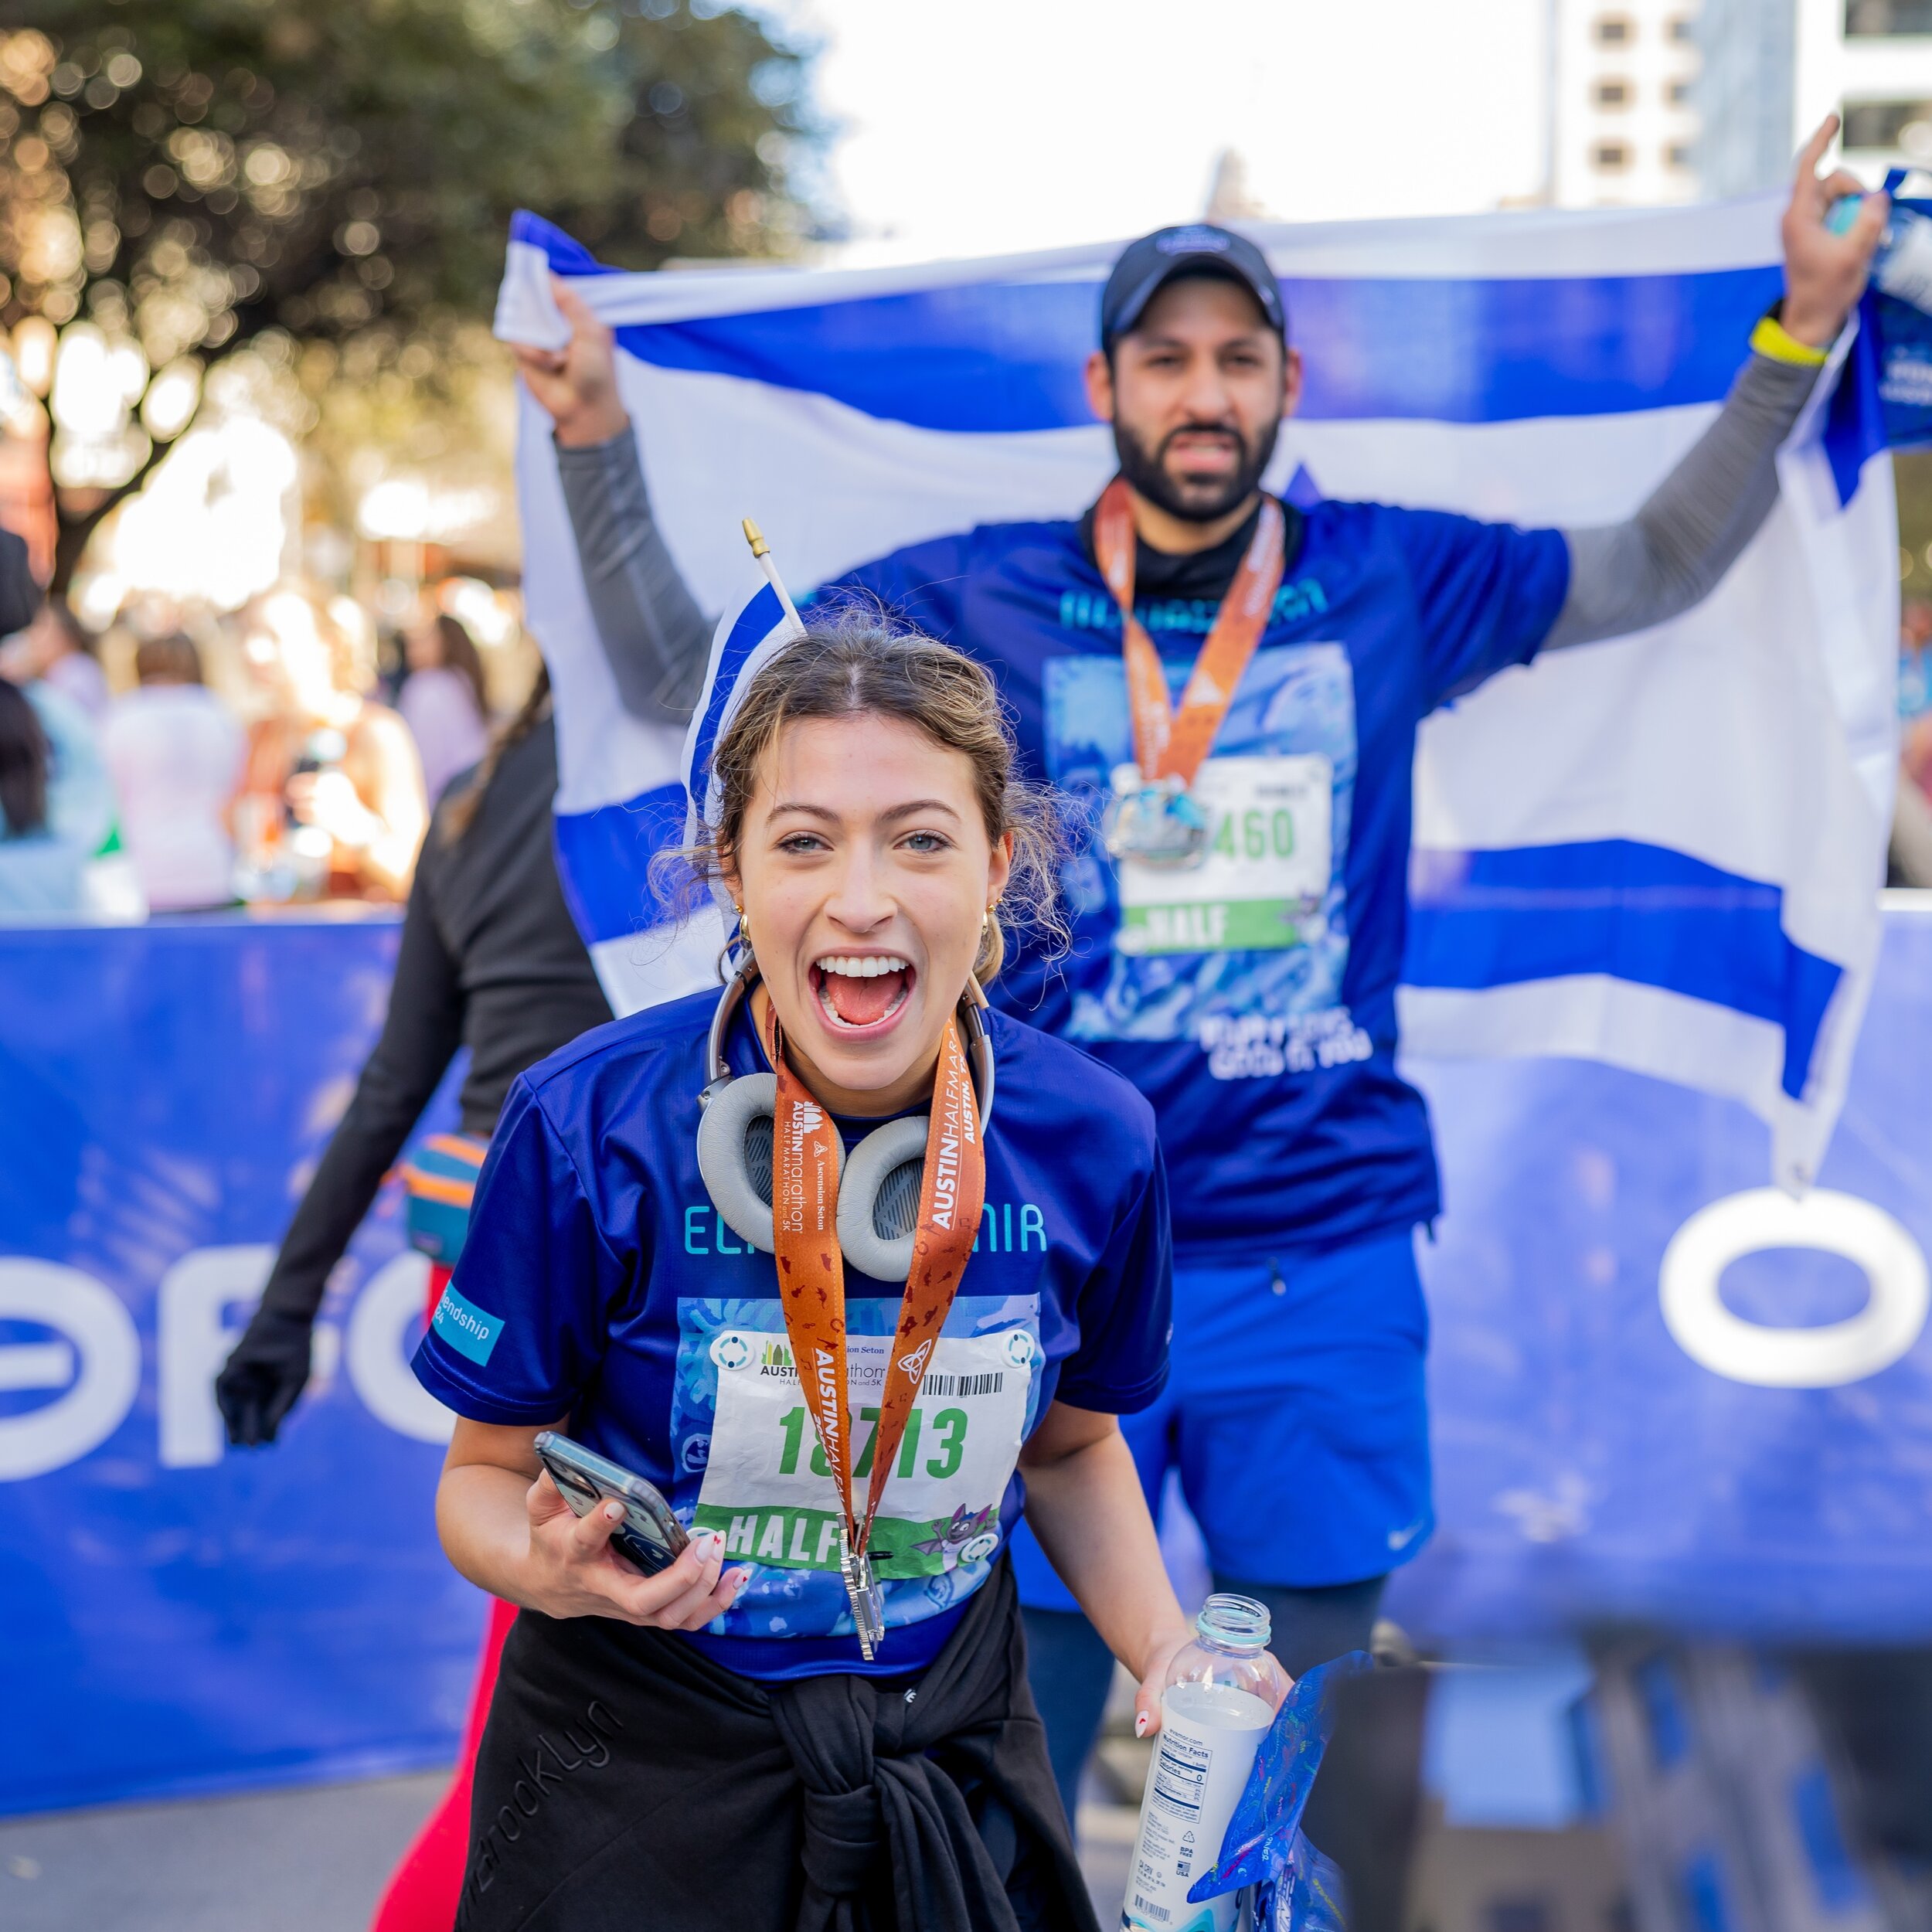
pixel 867 1600
pixel 1152 819
pixel 1158 823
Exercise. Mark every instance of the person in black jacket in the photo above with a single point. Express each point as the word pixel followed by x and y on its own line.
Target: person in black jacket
pixel 489 961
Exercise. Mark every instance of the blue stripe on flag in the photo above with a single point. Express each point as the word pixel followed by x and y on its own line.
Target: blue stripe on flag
pixel 755 622
pixel 1007 356
pixel 1635 912
pixel 567 256
pixel 602 858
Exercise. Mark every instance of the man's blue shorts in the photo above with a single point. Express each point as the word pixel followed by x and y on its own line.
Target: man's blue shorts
pixel 1296 1414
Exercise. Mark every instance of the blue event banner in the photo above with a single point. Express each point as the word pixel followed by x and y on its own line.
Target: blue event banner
pixel 1661 1391
pixel 176 1617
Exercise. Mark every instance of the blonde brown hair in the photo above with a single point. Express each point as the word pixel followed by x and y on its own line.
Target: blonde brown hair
pixel 858 664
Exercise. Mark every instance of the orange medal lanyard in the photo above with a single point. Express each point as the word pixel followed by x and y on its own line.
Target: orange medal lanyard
pixel 1168 744
pixel 811 1280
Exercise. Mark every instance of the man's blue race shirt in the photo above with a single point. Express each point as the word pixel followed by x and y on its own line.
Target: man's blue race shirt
pixel 598 1284
pixel 1252 1000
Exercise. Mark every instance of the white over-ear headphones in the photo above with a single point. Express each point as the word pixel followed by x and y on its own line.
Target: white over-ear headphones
pixel 878 1182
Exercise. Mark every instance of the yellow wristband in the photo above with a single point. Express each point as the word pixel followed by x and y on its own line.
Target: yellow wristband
pixel 1772 338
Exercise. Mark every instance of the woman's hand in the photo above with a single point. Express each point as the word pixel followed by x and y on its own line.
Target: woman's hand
pixel 577 384
pixel 518 1539
pixel 572 1571
pixel 1153 1663
pixel 1147 1699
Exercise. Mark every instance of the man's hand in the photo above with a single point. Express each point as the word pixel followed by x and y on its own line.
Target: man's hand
pixel 1824 274
pixel 577 384
pixel 329 799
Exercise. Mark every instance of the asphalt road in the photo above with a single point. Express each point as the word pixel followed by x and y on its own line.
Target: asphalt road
pixel 309 1860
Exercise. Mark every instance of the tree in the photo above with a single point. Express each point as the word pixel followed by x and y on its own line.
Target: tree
pixel 179 177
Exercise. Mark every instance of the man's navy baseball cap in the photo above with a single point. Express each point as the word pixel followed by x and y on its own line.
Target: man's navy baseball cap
pixel 1198 248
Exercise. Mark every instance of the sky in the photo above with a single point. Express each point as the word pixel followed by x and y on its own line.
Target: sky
pixel 1001 125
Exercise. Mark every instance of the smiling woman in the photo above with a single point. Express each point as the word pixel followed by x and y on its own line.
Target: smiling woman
pixel 873 884
pixel 840 1401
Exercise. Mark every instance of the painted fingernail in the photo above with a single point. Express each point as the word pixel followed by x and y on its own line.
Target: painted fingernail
pixel 1140 1725
pixel 612 1512
pixel 739 1578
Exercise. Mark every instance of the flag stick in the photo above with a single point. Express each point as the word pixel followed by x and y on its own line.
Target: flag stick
pixel 762 551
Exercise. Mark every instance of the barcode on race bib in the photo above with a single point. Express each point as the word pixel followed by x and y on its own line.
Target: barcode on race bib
pixel 989 1384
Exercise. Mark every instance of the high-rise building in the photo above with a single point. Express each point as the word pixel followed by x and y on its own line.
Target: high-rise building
pixel 1872 61
pixel 1623 118
pixel 1743 96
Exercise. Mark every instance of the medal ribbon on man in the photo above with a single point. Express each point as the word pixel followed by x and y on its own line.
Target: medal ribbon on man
pixel 811 1279
pixel 1167 743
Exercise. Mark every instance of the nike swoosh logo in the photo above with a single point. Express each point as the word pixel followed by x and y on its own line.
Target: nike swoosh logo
pixel 1402 1538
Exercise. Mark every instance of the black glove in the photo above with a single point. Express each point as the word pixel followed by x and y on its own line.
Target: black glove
pixel 269 1368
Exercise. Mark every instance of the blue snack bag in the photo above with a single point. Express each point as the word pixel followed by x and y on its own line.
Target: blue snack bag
pixel 1897 311
pixel 1299 1889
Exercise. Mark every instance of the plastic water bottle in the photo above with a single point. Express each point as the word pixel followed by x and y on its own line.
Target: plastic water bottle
pixel 1222 1693
pixel 1903 267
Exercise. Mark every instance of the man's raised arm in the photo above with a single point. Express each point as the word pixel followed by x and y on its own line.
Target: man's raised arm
pixel 1672 554
pixel 655 637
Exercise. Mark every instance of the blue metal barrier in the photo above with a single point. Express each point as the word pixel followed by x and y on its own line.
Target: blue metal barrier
pixel 177 1618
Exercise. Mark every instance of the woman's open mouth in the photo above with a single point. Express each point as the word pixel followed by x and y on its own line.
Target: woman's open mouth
pixel 859 992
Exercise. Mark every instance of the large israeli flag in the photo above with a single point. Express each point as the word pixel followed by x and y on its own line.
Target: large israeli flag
pixel 1663 852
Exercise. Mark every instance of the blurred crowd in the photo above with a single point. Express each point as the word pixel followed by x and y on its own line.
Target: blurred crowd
pixel 284 753
pixel 289 752
pixel 1911 858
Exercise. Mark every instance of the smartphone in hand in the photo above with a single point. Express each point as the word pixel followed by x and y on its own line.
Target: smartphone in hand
pixel 649 1536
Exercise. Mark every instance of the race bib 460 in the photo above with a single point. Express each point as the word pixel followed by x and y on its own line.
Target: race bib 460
pixel 1265 871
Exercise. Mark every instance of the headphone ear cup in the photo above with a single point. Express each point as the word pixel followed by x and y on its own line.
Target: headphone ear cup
pixel 869 1168
pixel 734 1128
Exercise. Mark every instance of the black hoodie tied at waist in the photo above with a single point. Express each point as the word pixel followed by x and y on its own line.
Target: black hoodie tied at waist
pixel 626 1781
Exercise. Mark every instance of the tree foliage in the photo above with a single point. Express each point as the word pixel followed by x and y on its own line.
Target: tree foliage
pixel 186 174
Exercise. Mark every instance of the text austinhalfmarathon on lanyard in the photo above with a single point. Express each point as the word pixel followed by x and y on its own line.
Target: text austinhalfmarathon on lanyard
pixel 811 1282
pixel 1152 818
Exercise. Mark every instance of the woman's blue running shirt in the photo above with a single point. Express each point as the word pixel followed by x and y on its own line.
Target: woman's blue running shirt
pixel 598 1284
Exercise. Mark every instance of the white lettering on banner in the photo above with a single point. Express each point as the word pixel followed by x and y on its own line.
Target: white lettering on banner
pixel 100 1349
pixel 1824 1357
pixel 92 1371
pixel 378 1366
pixel 195 1337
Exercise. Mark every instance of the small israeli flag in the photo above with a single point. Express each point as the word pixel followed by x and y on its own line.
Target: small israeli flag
pixel 647 944
pixel 746 640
